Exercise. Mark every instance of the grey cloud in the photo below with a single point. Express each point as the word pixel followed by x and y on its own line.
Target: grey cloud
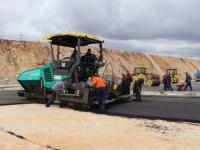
pixel 142 26
pixel 139 20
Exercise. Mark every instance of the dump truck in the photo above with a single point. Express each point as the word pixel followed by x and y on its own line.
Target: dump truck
pixel 38 82
pixel 174 76
pixel 149 78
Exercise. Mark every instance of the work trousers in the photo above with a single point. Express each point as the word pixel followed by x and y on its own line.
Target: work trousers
pixel 165 86
pixel 52 98
pixel 128 88
pixel 101 96
pixel 137 94
pixel 170 86
pixel 125 88
pixel 188 84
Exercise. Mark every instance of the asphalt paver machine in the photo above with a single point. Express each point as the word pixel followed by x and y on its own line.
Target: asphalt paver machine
pixel 37 82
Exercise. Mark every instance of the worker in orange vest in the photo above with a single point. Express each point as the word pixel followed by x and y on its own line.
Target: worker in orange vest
pixel 100 85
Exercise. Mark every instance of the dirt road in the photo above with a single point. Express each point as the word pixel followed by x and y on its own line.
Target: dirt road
pixel 35 127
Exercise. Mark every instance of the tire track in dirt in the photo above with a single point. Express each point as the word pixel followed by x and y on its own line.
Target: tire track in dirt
pixel 23 138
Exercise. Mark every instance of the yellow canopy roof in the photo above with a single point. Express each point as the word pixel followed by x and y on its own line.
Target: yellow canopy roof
pixel 70 39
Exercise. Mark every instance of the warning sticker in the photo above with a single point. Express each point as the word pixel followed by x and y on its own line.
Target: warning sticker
pixel 63 64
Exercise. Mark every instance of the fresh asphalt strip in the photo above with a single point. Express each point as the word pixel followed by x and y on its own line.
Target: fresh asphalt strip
pixel 190 94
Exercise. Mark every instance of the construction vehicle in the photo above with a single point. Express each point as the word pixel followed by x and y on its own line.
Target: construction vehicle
pixel 150 79
pixel 37 82
pixel 197 76
pixel 174 76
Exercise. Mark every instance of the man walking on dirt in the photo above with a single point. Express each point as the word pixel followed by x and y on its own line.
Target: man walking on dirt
pixel 188 79
pixel 100 85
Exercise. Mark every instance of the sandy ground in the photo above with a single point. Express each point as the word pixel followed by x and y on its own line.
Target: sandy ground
pixel 35 127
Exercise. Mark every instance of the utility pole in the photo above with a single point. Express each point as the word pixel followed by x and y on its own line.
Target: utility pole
pixel 152 64
pixel 21 36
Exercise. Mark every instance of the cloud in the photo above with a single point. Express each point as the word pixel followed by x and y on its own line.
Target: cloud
pixel 159 47
pixel 161 27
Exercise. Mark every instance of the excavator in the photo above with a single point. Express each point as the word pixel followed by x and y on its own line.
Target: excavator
pixel 37 82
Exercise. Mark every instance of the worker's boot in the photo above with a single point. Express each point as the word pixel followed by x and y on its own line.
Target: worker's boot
pixel 103 109
pixel 138 99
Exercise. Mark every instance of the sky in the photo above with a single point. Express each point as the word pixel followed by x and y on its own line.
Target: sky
pixel 161 27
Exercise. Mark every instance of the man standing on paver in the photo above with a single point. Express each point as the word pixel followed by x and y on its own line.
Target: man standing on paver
pixel 124 85
pixel 188 79
pixel 128 80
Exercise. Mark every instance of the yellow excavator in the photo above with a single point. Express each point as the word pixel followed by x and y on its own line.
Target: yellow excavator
pixel 149 78
pixel 174 76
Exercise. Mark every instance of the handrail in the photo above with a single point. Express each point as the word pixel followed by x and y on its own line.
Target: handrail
pixel 105 71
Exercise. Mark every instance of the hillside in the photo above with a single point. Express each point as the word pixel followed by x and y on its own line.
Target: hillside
pixel 17 56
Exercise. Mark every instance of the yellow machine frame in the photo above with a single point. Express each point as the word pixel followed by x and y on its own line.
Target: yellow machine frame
pixel 140 72
pixel 174 76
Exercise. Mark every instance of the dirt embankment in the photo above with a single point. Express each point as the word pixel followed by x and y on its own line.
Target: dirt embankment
pixel 17 56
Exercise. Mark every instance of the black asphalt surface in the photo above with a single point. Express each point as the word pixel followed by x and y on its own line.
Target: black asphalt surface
pixel 195 87
pixel 165 108
pixel 171 109
pixel 11 98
